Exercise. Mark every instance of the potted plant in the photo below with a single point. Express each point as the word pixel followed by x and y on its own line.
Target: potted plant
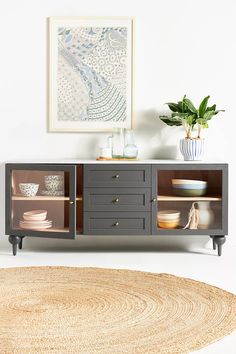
pixel 185 114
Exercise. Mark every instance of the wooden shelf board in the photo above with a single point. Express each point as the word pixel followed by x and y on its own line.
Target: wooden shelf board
pixel 167 198
pixel 52 229
pixel 43 198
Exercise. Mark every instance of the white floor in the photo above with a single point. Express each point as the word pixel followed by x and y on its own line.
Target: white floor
pixel 193 258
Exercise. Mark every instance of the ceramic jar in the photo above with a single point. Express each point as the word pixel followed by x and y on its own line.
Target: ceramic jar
pixel 206 215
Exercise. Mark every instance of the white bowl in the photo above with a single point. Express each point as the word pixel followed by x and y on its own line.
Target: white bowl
pixel 29 189
pixel 188 181
pixel 35 215
pixel 168 215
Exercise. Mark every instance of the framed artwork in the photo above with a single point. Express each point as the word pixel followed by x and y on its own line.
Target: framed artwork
pixel 90 74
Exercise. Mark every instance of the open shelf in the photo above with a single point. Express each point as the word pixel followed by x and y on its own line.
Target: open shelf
pixel 170 198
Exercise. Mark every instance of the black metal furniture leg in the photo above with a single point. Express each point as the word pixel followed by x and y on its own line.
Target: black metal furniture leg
pixel 219 241
pixel 213 242
pixel 14 240
pixel 21 242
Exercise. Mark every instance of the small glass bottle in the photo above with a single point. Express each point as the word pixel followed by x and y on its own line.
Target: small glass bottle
pixel 130 149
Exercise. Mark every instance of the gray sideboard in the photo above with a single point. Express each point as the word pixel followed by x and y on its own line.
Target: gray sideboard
pixel 115 198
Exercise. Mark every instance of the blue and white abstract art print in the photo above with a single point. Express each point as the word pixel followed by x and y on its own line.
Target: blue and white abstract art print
pixel 90 84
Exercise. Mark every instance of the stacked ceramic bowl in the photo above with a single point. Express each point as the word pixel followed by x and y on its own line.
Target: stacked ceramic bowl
pixel 189 187
pixel 35 220
pixel 54 185
pixel 168 219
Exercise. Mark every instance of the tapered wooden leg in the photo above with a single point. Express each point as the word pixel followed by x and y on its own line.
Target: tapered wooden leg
pixel 219 241
pixel 14 240
pixel 213 242
pixel 21 242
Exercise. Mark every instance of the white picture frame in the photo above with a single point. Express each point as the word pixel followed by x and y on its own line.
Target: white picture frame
pixel 90 73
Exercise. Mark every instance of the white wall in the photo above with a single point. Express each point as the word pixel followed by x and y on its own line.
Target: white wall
pixel 184 46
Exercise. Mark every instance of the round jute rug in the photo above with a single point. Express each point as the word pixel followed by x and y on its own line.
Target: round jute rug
pixel 107 311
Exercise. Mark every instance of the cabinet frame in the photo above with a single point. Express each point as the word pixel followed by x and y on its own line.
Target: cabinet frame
pixel 190 167
pixel 71 169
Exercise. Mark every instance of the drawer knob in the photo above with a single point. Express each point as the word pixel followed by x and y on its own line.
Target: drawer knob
pixel 116 176
pixel 116 224
pixel 154 200
pixel 116 200
pixel 71 202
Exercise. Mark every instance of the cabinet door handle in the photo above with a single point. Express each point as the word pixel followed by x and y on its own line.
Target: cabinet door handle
pixel 116 224
pixel 116 200
pixel 116 176
pixel 72 202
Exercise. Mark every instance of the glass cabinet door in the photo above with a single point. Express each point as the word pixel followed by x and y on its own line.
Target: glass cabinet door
pixel 41 200
pixel 188 201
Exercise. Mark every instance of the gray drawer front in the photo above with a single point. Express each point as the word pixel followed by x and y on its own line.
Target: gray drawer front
pixel 108 223
pixel 115 175
pixel 117 199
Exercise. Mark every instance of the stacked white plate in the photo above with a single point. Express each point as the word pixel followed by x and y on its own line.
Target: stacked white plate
pixel 35 220
pixel 36 225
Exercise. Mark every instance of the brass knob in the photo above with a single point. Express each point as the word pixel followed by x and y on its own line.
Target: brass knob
pixel 116 224
pixel 116 176
pixel 116 200
pixel 71 202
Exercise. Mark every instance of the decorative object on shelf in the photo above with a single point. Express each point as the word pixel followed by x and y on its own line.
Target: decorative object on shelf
pixel 185 114
pixel 193 218
pixel 189 187
pixel 119 311
pixel 29 189
pixel 35 215
pixel 130 149
pixel 105 153
pixel 206 215
pixel 90 73
pixel 54 182
pixel 118 144
pixel 168 219
pixel 35 220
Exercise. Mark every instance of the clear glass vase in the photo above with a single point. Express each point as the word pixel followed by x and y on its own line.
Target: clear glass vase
pixel 130 149
pixel 118 144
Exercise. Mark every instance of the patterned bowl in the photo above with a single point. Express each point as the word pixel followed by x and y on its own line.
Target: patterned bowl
pixel 54 182
pixel 29 189
pixel 189 187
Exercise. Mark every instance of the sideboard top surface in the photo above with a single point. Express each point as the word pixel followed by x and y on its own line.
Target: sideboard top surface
pixel 80 161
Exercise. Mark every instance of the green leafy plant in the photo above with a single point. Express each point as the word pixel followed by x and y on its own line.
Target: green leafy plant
pixel 185 114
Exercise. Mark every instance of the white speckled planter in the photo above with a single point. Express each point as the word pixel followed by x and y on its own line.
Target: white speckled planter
pixel 192 149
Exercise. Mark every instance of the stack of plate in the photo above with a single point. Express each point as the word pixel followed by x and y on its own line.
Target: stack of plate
pixel 35 220
pixel 168 219
pixel 189 187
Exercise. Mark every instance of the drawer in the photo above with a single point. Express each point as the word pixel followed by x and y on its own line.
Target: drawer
pixel 116 175
pixel 117 199
pixel 108 223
